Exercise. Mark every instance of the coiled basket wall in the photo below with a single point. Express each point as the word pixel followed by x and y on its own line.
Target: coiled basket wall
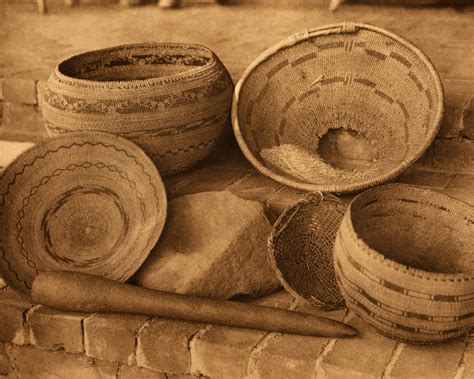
pixel 403 259
pixel 360 82
pixel 173 100
pixel 301 249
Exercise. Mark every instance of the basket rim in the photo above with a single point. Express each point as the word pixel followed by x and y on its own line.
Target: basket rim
pixel 85 83
pixel 336 28
pixel 390 263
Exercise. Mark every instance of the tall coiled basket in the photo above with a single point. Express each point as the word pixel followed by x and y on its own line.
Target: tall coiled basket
pixel 171 99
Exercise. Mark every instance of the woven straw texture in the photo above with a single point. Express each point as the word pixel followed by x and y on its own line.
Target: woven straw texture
pixel 403 258
pixel 350 77
pixel 89 202
pixel 173 100
pixel 301 249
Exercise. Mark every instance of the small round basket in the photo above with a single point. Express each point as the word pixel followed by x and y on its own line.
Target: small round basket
pixel 338 108
pixel 173 100
pixel 85 201
pixel 301 248
pixel 404 262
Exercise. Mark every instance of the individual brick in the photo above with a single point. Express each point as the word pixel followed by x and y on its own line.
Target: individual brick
pixel 54 330
pixel 224 352
pixel 24 121
pixel 365 356
pixel 461 187
pixel 40 89
pixel 459 109
pixel 19 91
pixel 112 336
pixel 229 157
pixel 435 361
pixel 466 365
pixel 427 178
pixel 10 150
pixel 132 372
pixel 255 186
pixel 452 124
pixel 468 121
pixel 163 345
pixel 13 308
pixel 5 366
pixel 287 356
pixel 201 180
pixel 30 362
pixel 426 160
pixel 457 156
pixel 290 356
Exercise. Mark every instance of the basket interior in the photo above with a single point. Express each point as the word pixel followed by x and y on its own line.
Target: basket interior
pixel 135 62
pixel 303 251
pixel 418 228
pixel 339 108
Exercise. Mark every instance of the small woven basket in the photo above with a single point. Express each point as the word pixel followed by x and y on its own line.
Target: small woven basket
pixel 358 81
pixel 173 100
pixel 404 262
pixel 301 248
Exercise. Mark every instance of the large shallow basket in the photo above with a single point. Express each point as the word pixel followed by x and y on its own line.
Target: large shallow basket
pixel 301 249
pixel 173 100
pixel 338 108
pixel 85 201
pixel 404 262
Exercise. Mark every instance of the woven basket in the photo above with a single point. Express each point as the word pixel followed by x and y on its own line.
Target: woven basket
pixel 301 247
pixel 358 81
pixel 89 202
pixel 403 258
pixel 173 100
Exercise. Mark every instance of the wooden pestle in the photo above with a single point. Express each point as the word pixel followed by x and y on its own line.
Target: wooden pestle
pixel 74 291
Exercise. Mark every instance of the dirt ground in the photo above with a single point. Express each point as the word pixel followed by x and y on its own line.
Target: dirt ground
pixel 31 43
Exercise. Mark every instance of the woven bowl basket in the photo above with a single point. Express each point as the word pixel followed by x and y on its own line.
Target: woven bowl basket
pixel 173 100
pixel 404 262
pixel 301 248
pixel 85 201
pixel 355 80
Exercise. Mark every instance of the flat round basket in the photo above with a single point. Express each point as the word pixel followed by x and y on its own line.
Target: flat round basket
pixel 404 262
pixel 301 249
pixel 338 108
pixel 89 202
pixel 173 100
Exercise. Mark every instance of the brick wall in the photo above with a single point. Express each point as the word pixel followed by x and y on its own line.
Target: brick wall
pixel 36 342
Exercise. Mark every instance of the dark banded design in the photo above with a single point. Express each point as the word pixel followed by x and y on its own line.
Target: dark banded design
pixel 407 303
pixel 262 93
pixel 277 68
pixel 331 45
pixel 416 80
pixel 304 58
pixel 376 54
pixel 288 104
pixel 384 96
pixel 401 59
pixel 365 82
pixel 344 279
